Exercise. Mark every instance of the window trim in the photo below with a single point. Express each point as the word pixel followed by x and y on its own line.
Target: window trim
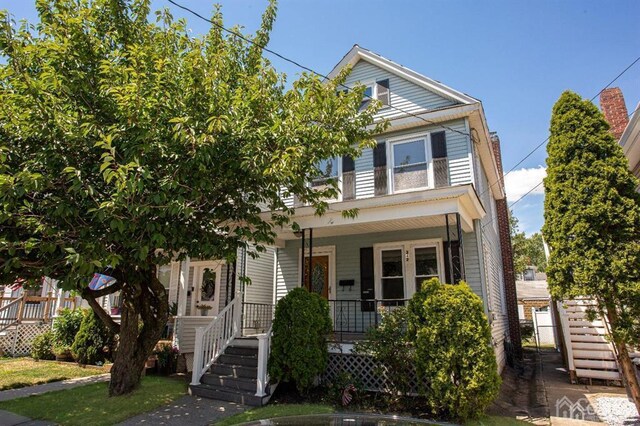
pixel 409 270
pixel 426 138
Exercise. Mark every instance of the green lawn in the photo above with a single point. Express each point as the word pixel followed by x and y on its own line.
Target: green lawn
pixel 496 421
pixel 285 410
pixel 279 410
pixel 21 372
pixel 90 405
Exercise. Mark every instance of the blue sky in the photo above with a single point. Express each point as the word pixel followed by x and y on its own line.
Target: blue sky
pixel 515 56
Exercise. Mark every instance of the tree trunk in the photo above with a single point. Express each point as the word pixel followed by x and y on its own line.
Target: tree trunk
pixel 628 370
pixel 144 314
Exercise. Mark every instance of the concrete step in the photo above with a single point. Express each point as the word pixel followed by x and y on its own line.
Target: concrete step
pixel 229 382
pixel 241 350
pixel 245 361
pixel 240 397
pixel 237 371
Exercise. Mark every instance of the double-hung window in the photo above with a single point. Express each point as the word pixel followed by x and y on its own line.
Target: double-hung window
pixel 410 164
pixel 418 162
pixel 329 169
pixel 402 267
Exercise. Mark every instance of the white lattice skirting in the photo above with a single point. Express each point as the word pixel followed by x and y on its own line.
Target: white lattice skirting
pixel 363 369
pixel 16 341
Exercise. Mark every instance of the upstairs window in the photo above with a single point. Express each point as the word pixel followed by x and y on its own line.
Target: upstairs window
pixel 410 168
pixel 328 170
pixel 366 97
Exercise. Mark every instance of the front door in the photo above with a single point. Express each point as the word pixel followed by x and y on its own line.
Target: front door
pixel 204 280
pixel 319 282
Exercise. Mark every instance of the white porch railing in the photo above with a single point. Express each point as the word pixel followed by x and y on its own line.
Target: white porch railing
pixel 264 347
pixel 212 340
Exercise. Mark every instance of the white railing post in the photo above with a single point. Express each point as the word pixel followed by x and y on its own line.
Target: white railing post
pixel 197 357
pixel 264 343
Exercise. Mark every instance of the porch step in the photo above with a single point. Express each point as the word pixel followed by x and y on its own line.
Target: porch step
pixel 237 371
pixel 231 395
pixel 233 377
pixel 244 361
pixel 229 382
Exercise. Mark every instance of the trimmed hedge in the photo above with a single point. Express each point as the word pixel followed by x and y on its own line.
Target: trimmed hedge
pixel 41 347
pixel 299 344
pixel 454 354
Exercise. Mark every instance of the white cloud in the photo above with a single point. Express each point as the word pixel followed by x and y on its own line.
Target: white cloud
pixel 520 181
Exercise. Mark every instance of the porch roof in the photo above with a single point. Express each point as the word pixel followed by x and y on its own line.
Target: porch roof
pixel 394 212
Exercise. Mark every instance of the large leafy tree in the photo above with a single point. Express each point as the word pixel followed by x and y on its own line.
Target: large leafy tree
pixel 592 222
pixel 126 143
pixel 527 251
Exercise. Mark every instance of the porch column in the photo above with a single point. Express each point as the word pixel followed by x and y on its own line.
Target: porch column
pixel 449 256
pixel 182 290
pixel 310 256
pixel 463 275
pixel 302 261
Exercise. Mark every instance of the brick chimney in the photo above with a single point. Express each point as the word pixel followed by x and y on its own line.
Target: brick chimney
pixel 614 110
pixel 504 231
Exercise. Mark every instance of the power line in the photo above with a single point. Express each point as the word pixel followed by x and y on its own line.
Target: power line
pixel 293 62
pixel 547 138
pixel 542 181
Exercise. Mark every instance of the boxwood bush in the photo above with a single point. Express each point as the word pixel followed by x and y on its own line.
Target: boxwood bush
pixel 93 343
pixel 453 349
pixel 299 344
pixel 67 325
pixel 42 346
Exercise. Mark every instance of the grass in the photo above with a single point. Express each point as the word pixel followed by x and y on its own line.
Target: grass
pixel 285 410
pixel 496 421
pixel 21 372
pixel 278 410
pixel 90 404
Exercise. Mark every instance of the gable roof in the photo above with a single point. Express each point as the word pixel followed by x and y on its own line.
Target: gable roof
pixel 358 53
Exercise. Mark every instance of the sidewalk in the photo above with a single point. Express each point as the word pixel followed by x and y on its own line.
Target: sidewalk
pixel 49 387
pixel 188 411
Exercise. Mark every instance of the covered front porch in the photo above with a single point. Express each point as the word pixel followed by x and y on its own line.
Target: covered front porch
pixel 376 261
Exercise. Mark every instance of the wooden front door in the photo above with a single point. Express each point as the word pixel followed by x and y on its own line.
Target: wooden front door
pixel 319 282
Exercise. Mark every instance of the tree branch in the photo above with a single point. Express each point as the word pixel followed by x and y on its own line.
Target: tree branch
pixel 102 314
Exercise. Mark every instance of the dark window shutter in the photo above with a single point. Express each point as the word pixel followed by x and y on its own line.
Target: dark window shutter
pixel 438 145
pixel 380 155
pixel 367 288
pixel 382 91
pixel 348 164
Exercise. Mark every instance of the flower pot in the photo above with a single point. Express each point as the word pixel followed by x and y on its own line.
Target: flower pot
pixel 115 311
pixel 151 362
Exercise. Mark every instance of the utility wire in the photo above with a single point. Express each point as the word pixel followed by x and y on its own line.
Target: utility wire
pixel 299 65
pixel 542 181
pixel 547 139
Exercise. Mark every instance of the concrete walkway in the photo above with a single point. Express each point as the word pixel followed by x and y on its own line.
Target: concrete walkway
pixel 49 387
pixel 189 411
pixel 10 419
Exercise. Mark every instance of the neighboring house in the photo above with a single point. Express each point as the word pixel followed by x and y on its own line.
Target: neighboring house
pixel 625 129
pixel 535 309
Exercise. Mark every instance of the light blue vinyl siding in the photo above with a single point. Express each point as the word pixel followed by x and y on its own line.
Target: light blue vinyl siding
pixel 348 259
pixel 405 95
pixel 458 153
pixel 260 270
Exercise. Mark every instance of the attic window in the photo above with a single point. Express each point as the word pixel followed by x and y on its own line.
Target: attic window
pixel 366 97
pixel 382 92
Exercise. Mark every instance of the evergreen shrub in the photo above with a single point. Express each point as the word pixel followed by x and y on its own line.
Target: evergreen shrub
pixel 299 344
pixel 42 346
pixel 93 342
pixel 454 354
